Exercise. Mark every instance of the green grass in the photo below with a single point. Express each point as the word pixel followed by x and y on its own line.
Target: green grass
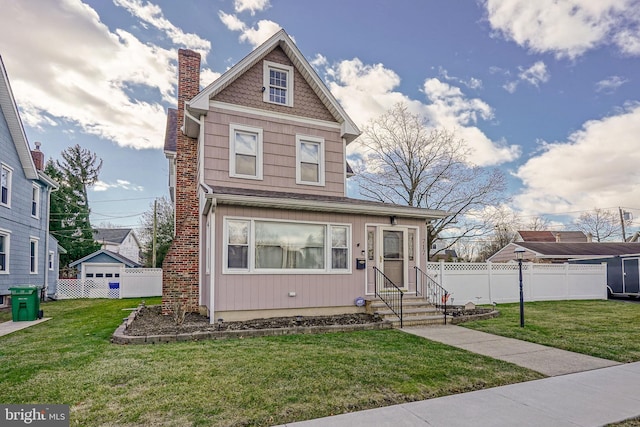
pixel 258 381
pixel 607 329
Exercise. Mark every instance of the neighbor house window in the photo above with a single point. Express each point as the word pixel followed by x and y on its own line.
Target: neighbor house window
pixel 4 252
pixel 35 201
pixel 51 260
pixel 310 160
pixel 276 246
pixel 245 152
pixel 278 83
pixel 5 185
pixel 33 255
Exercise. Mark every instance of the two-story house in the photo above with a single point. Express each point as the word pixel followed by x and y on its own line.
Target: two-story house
pixel 121 241
pixel 28 253
pixel 264 226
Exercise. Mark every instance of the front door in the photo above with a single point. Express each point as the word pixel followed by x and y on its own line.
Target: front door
pixel 393 255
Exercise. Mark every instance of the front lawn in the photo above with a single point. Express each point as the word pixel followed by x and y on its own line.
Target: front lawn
pixel 258 381
pixel 601 328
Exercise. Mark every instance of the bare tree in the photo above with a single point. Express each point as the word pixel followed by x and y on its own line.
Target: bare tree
pixel 537 224
pixel 600 223
pixel 405 162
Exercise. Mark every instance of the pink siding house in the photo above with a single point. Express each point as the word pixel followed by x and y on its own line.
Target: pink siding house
pixel 264 226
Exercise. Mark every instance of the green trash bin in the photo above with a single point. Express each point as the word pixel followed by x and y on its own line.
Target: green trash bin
pixel 25 303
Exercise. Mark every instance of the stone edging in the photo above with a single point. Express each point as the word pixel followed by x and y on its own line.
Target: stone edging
pixel 483 316
pixel 119 336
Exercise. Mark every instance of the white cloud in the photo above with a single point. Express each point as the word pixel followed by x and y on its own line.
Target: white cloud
pixel 596 167
pixel 254 36
pixel 207 76
pixel 366 91
pixel 250 5
pixel 101 186
pixel 85 84
pixel 232 22
pixel 534 75
pixel 567 28
pixel 152 14
pixel 610 84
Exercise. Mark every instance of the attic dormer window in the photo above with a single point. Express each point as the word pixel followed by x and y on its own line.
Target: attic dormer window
pixel 278 83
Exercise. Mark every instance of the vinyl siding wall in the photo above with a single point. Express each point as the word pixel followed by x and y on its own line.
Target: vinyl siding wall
pixel 18 221
pixel 259 291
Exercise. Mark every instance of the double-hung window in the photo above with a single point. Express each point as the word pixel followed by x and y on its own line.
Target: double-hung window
pixel 281 247
pixel 35 201
pixel 5 185
pixel 33 255
pixel 278 83
pixel 309 160
pixel 245 152
pixel 4 252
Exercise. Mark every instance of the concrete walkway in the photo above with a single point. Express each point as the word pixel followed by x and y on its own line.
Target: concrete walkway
pixel 11 326
pixel 581 391
pixel 546 360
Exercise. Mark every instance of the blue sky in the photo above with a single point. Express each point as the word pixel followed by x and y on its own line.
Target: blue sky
pixel 548 91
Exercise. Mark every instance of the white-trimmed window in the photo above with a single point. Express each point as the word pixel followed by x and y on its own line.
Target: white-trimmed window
pixel 309 160
pixel 339 247
pixel 33 255
pixel 245 152
pixel 286 247
pixel 4 252
pixel 35 201
pixel 5 185
pixel 278 83
pixel 51 262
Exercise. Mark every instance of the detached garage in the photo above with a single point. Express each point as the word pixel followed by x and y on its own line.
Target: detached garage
pixel 103 264
pixel 623 273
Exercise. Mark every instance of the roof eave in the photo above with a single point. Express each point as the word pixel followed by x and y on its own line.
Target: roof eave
pixel 325 206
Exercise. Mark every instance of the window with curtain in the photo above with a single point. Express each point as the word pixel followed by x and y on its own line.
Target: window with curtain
pixel 289 245
pixel 258 245
pixel 245 152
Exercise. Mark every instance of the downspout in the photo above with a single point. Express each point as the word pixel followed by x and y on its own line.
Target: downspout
pixel 46 243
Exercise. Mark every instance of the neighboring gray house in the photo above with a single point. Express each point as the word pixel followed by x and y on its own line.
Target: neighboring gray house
pixel 28 253
pixel 121 241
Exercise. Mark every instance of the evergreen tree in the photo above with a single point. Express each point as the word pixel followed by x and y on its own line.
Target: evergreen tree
pixel 70 211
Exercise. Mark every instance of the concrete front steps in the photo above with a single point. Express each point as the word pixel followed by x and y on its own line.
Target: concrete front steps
pixel 416 311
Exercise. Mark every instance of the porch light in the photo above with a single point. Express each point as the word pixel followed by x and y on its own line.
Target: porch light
pixel 393 219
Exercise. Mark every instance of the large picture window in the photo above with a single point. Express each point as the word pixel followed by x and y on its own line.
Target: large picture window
pixel 276 246
pixel 245 152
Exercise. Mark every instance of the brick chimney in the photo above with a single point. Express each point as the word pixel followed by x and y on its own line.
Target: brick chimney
pixel 180 287
pixel 38 157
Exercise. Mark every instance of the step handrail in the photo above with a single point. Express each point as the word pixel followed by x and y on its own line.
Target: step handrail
pixel 432 291
pixel 393 295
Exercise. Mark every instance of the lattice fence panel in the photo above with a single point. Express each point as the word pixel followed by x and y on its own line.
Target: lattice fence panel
pixel 87 288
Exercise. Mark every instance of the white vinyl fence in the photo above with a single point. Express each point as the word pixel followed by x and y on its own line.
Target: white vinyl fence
pixel 485 283
pixel 132 283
